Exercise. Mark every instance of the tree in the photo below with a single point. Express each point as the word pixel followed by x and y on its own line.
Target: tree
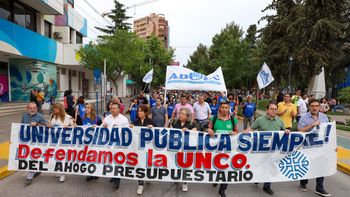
pixel 231 53
pixel 199 61
pixel 316 34
pixel 158 56
pixel 123 51
pixel 255 56
pixel 277 41
pixel 310 31
pixel 118 17
pixel 335 77
pixel 251 35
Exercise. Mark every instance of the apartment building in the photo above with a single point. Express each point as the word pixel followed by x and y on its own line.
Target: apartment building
pixel 153 24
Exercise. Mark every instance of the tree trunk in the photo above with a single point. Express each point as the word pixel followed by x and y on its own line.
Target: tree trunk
pixel 277 87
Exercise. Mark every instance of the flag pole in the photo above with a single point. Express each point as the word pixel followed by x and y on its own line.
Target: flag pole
pixel 257 91
pixel 164 97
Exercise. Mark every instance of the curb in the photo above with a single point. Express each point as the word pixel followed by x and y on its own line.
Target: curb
pixel 343 167
pixel 4 172
pixel 343 154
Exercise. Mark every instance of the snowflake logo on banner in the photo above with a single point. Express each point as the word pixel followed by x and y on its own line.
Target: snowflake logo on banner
pixel 294 166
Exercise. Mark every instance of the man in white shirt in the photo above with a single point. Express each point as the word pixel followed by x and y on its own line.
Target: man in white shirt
pixel 202 113
pixel 302 106
pixel 115 119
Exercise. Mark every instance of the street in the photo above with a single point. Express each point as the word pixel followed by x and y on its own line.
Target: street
pixel 337 185
pixel 47 183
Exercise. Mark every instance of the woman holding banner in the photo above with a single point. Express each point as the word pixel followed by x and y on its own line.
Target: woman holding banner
pixel 59 118
pixel 91 119
pixel 142 121
pixel 184 122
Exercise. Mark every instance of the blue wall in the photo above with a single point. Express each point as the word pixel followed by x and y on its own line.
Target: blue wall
pixel 27 42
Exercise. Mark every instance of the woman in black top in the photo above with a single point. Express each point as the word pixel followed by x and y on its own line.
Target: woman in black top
pixel 184 123
pixel 143 121
pixel 142 117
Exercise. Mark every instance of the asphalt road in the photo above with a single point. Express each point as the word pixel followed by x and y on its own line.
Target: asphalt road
pixel 48 185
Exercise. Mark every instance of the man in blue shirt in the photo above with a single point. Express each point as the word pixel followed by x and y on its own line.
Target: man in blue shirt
pixel 214 107
pixel 249 109
pixel 152 100
pixel 33 118
pixel 306 123
pixel 170 106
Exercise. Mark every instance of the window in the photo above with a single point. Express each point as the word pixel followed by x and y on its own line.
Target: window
pixel 79 38
pixel 5 10
pixel 48 29
pixel 74 73
pixel 63 71
pixel 71 2
pixel 71 35
pixel 24 16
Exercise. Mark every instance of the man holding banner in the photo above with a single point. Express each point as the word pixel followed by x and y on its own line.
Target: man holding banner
pixel 115 119
pixel 223 123
pixel 269 122
pixel 306 124
pixel 34 118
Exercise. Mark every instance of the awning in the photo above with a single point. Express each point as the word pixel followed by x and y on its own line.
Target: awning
pixel 129 82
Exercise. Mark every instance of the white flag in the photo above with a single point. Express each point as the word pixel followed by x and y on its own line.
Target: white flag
pixel 148 77
pixel 180 78
pixel 264 77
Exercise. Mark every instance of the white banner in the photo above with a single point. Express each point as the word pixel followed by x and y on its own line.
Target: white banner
pixel 148 77
pixel 161 154
pixel 180 78
pixel 264 77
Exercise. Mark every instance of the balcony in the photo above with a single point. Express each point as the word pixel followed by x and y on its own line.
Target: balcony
pixel 49 7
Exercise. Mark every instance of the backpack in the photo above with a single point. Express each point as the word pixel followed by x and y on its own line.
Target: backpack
pixel 231 117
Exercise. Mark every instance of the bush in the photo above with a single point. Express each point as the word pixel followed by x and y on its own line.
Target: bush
pixel 344 95
pixel 347 122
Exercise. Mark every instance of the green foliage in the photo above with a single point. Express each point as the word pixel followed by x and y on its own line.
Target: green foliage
pixel 239 57
pixel 342 127
pixel 123 51
pixel 127 54
pixel 118 17
pixel 199 61
pixel 158 57
pixel 309 31
pixel 344 95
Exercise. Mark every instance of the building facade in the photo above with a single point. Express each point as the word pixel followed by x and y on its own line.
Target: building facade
pixel 39 40
pixel 153 24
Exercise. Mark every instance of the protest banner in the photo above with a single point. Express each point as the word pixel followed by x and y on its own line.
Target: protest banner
pixel 180 78
pixel 163 154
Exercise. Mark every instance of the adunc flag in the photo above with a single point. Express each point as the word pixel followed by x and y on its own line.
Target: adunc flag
pixel 148 77
pixel 264 77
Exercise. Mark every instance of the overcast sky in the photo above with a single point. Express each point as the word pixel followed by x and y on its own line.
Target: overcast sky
pixel 191 21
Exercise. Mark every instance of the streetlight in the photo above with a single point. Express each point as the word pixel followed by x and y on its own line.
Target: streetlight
pixel 290 71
